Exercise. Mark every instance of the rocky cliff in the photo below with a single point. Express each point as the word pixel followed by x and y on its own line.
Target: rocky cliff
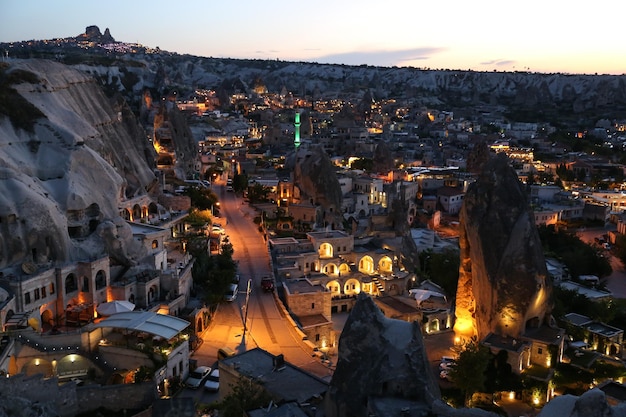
pixel 62 178
pixel 503 285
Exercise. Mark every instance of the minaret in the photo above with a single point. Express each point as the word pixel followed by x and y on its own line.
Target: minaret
pixel 296 141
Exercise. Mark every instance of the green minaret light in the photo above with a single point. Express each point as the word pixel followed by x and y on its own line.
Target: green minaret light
pixel 296 141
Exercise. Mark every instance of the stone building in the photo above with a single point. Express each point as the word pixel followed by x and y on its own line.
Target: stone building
pixel 311 304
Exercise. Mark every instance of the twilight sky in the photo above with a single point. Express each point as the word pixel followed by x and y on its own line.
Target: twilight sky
pixel 482 35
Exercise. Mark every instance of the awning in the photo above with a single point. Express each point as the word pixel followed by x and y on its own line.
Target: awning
pixel 146 321
pixel 423 295
pixel 115 307
pixel 16 320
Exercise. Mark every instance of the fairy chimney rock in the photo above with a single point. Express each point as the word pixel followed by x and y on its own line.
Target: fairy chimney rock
pixel 503 286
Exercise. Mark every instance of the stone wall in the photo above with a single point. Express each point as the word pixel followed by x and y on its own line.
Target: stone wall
pixel 115 397
pixel 175 202
pixel 122 358
pixel 309 303
pixel 70 400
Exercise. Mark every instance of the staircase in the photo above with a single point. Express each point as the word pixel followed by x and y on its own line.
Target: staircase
pixel 379 285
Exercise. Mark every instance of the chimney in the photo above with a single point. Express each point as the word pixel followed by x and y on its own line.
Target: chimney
pixel 279 362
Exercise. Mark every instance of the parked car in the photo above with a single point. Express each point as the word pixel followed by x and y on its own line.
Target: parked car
pixel 267 284
pixel 231 294
pixel 213 381
pixel 225 352
pixel 445 374
pixel 446 363
pixel 197 376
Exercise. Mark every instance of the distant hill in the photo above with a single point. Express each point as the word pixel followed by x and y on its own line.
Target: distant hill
pixel 520 96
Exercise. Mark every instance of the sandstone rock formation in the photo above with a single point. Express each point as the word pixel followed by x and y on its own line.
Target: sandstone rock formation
pixel 592 403
pixel 64 179
pixel 92 33
pixel 503 285
pixel 383 370
pixel 315 177
pixel 478 157
pixel 379 357
pixel 383 158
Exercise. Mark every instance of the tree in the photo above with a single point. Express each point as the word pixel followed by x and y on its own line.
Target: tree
pixel 500 375
pixel 201 198
pixel 442 268
pixel 365 164
pixel 213 274
pixel 240 183
pixel 469 370
pixel 245 395
pixel 579 257
pixel 258 193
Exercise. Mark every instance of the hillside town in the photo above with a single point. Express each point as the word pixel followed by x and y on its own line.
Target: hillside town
pixel 401 213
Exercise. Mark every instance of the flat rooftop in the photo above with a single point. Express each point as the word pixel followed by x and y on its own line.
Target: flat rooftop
pixel 603 329
pixel 590 293
pixel 504 342
pixel 313 320
pixel 288 382
pixel 615 390
pixel 396 304
pixel 552 335
pixel 302 286
pixel 330 234
pixel 284 241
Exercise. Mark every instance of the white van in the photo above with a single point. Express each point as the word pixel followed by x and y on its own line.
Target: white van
pixel 231 294
pixel 589 279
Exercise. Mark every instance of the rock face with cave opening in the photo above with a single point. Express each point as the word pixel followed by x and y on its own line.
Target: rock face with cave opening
pixel 62 184
pixel 503 286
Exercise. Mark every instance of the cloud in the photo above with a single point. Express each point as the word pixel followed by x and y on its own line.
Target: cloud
pixel 499 62
pixel 271 51
pixel 386 58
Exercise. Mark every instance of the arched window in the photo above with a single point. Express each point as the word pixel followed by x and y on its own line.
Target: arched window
pixel 352 287
pixel 329 269
pixel 366 265
pixel 326 250
pixel 136 213
pixel 155 244
pixel 71 284
pixel 101 280
pixel 333 287
pixel 385 264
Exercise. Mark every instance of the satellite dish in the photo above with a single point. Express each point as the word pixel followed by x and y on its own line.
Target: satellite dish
pixel 29 268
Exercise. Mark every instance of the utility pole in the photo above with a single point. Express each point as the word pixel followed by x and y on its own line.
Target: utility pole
pixel 245 316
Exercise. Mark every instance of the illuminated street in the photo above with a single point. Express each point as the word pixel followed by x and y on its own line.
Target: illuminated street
pixel 266 326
